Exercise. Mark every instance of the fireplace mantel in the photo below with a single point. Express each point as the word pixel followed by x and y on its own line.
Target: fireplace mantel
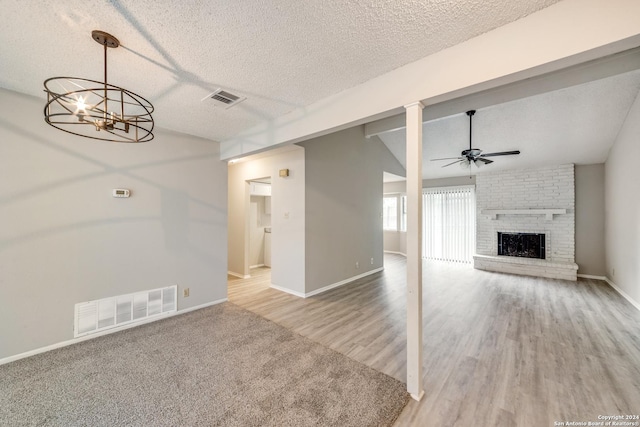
pixel 549 213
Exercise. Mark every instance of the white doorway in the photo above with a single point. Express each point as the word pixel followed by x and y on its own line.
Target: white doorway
pixel 284 171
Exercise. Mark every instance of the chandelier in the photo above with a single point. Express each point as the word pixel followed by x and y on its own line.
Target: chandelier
pixel 95 109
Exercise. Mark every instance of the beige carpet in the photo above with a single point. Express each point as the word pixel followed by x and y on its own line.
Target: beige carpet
pixel 219 366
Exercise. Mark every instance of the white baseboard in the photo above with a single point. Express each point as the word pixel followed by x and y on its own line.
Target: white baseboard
pixel 614 286
pixel 397 253
pixel 417 397
pixel 623 293
pixel 590 276
pixel 289 291
pixel 238 275
pixel 105 332
pixel 325 288
pixel 342 282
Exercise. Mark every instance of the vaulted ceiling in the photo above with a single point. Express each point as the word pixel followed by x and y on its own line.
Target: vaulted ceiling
pixel 577 124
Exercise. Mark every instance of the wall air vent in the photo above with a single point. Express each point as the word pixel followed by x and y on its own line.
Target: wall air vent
pixel 222 98
pixel 95 316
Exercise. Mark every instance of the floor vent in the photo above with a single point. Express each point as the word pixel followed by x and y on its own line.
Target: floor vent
pixel 224 99
pixel 95 316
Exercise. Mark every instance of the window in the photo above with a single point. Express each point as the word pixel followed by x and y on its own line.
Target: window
pixel 403 213
pixel 390 213
pixel 449 224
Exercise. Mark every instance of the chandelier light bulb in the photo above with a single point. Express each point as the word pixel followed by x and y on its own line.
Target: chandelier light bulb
pixel 81 106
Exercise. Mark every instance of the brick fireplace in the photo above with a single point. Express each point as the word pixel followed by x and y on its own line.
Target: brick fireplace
pixel 529 202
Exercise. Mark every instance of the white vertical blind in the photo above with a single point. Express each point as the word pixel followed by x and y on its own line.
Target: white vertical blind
pixel 449 223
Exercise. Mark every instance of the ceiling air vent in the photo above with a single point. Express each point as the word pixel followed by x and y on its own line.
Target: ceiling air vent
pixel 224 99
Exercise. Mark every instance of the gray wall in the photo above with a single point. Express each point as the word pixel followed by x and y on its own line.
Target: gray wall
pixel 344 205
pixel 622 215
pixel 395 187
pixel 64 239
pixel 590 255
pixel 449 182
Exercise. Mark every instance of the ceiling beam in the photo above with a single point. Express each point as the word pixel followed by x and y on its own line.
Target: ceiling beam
pixel 562 35
pixel 597 69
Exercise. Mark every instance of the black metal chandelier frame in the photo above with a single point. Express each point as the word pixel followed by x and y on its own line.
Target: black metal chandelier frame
pixel 82 106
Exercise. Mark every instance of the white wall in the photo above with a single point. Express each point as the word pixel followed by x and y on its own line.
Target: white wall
pixel 622 214
pixel 287 216
pixel 258 220
pixel 64 239
pixel 344 205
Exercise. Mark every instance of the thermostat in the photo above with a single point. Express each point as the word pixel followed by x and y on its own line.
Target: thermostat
pixel 121 192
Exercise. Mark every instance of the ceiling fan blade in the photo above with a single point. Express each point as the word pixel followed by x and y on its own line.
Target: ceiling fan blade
pixel 501 153
pixel 485 161
pixel 452 163
pixel 447 158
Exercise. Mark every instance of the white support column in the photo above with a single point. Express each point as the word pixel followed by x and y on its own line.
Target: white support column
pixel 414 250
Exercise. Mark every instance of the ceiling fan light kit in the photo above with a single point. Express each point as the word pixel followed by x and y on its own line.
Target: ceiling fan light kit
pixel 98 110
pixel 474 155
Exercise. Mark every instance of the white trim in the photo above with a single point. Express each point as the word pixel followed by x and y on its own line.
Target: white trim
pixel 238 275
pixel 589 276
pixel 418 103
pixel 289 291
pixel 397 253
pixel 105 332
pixel 328 287
pixel 342 282
pixel 417 398
pixel 198 307
pixel 623 293
pixel 256 266
pixel 614 286
pixel 548 213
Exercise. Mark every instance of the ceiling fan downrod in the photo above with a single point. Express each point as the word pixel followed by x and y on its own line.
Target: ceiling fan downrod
pixel 470 113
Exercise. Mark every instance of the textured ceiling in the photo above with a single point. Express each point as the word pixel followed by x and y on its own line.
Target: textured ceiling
pixel 281 54
pixel 577 124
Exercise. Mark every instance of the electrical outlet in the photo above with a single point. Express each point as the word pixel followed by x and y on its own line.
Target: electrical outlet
pixel 185 292
pixel 357 264
pixel 371 261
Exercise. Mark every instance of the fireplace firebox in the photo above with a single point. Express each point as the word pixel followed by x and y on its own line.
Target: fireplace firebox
pixel 524 245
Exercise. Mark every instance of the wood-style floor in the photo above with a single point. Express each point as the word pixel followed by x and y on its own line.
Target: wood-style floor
pixel 499 350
